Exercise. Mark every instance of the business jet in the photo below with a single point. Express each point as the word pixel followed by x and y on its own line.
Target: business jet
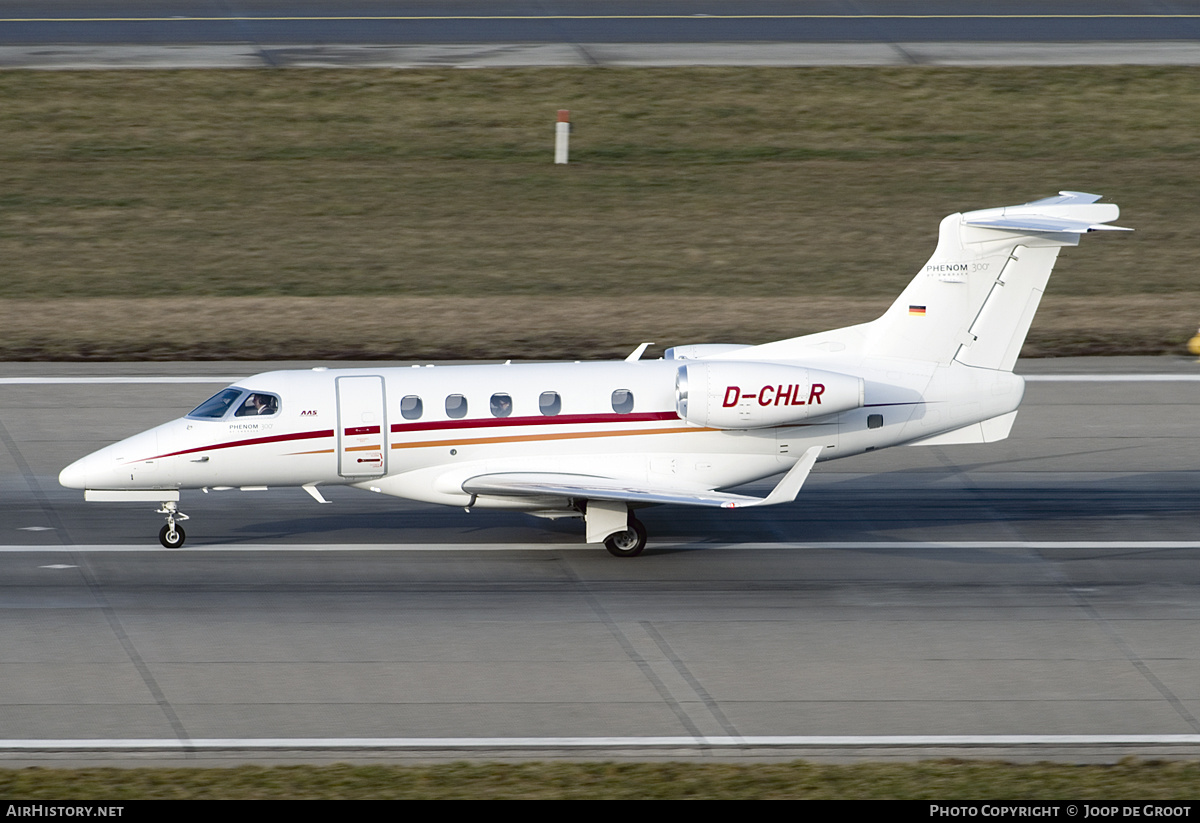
pixel 598 440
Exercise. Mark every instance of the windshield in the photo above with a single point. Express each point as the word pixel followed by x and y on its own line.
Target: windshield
pixel 258 403
pixel 214 408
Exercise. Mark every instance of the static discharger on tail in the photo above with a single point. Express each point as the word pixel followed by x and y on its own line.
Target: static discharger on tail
pixel 599 440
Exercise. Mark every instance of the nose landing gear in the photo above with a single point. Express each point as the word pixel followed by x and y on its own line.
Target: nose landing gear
pixel 172 535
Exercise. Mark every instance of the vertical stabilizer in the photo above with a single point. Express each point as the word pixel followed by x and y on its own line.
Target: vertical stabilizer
pixel 975 299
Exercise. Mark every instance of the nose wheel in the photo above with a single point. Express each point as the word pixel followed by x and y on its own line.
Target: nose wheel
pixel 172 534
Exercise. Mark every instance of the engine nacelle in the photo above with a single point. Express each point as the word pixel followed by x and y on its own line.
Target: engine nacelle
pixel 732 395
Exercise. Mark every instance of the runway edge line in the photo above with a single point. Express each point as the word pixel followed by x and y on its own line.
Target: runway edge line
pixel 599 742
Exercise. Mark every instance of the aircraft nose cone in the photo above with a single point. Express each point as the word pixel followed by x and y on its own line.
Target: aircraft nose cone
pixel 75 475
pixel 111 468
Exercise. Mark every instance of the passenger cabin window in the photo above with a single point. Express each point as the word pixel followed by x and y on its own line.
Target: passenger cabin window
pixel 456 406
pixel 258 404
pixel 622 401
pixel 411 407
pixel 549 403
pixel 501 405
pixel 214 408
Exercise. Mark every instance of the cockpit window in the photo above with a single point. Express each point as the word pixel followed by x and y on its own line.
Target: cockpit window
pixel 257 404
pixel 214 408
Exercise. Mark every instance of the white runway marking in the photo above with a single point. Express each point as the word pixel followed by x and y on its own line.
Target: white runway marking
pixel 1112 378
pixel 810 741
pixel 83 381
pixel 881 545
pixel 34 380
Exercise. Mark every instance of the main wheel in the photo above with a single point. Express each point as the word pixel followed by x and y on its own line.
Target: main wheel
pixel 628 543
pixel 171 536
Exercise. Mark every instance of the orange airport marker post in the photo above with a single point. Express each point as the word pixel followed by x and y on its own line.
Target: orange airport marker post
pixel 562 135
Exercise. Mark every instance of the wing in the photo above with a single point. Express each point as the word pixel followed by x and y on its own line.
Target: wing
pixel 591 487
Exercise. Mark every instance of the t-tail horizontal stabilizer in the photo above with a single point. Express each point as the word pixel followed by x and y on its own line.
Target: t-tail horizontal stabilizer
pixel 1080 216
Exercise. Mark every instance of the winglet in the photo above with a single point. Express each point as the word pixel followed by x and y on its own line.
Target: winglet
pixel 637 353
pixel 789 486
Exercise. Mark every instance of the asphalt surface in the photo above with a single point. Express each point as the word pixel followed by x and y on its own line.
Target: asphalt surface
pixel 478 33
pixel 1045 585
pixel 1029 599
pixel 593 21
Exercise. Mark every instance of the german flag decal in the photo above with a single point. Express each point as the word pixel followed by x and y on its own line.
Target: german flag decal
pixel 916 311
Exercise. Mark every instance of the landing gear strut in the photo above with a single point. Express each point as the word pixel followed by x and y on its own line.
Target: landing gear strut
pixel 172 535
pixel 628 543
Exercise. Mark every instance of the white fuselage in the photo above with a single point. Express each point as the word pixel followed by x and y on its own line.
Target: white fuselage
pixel 405 432
pixel 599 439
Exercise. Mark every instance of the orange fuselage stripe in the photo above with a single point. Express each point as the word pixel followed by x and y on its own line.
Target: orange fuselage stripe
pixel 518 438
pixel 526 438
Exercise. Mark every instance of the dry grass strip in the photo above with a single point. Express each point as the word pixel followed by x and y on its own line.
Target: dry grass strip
pixel 521 327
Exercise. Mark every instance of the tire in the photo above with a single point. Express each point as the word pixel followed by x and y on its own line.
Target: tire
pixel 172 539
pixel 628 543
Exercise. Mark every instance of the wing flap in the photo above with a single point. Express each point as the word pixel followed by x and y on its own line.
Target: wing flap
pixel 592 487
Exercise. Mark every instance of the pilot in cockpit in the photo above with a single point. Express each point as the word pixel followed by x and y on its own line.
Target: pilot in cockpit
pixel 257 404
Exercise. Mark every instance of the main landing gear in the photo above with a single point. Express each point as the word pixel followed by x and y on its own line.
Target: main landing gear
pixel 172 534
pixel 612 523
pixel 628 543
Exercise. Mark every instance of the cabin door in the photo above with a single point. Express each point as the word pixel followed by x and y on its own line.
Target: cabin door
pixel 362 427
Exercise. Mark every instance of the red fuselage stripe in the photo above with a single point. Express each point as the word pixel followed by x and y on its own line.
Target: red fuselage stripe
pixel 539 420
pixel 439 425
pixel 253 441
pixel 362 430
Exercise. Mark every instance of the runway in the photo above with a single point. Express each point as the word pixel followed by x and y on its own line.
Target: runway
pixel 1030 599
pixel 472 34
pixel 599 21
